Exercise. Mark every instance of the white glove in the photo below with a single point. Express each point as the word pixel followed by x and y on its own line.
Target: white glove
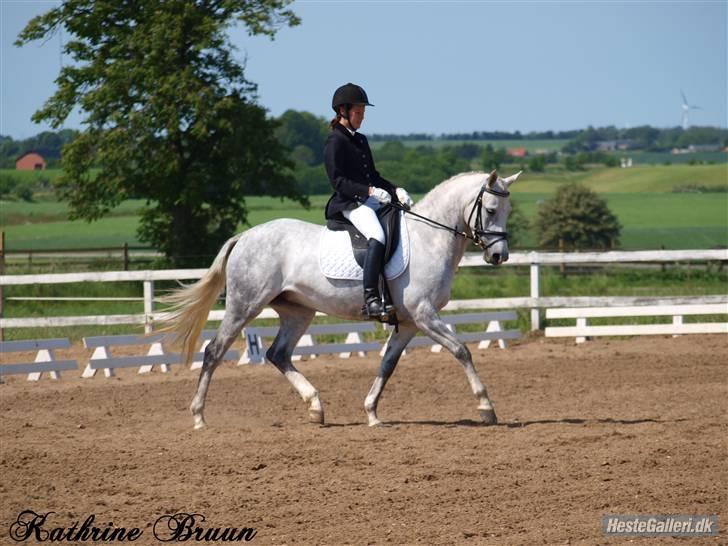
pixel 381 195
pixel 404 198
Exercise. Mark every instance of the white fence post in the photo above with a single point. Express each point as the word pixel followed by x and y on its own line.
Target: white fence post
pixel 677 320
pixel 148 306
pixel 535 293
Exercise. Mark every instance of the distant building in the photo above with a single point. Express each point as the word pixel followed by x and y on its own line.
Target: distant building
pixel 612 145
pixel 693 148
pixel 30 161
pixel 517 152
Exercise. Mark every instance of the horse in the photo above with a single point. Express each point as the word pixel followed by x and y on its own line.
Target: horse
pixel 276 264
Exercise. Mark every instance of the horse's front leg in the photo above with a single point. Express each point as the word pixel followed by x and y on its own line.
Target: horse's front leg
pixel 397 342
pixel 436 329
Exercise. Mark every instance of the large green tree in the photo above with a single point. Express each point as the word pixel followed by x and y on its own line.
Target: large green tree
pixel 169 116
pixel 579 217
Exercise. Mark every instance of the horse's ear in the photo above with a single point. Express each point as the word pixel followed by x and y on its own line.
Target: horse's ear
pixel 511 179
pixel 492 177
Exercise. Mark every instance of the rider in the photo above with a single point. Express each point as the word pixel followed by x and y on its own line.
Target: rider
pixel 359 188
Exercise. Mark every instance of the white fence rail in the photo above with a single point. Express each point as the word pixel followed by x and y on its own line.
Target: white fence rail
pixel 253 336
pixel 582 330
pixel 534 301
pixel 45 358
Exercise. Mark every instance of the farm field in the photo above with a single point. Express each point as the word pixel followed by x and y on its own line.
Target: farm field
pixel 666 158
pixel 533 146
pixel 651 215
pixel 655 220
pixel 640 179
pixel 620 426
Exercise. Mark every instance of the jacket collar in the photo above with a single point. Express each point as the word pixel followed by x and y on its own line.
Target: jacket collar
pixel 344 130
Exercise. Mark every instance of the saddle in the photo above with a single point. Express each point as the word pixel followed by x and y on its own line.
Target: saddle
pixel 388 218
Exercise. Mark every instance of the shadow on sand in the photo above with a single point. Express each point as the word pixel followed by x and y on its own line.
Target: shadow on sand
pixel 515 424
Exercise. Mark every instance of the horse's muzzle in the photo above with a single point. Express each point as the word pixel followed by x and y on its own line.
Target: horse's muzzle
pixel 496 258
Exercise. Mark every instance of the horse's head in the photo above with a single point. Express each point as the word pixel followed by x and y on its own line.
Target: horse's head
pixel 489 215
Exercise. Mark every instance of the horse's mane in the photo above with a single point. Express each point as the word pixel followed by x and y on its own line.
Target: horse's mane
pixel 445 187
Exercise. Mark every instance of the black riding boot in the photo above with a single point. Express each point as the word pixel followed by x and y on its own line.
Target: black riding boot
pixel 373 307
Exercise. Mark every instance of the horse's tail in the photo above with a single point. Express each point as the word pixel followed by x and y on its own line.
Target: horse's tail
pixel 191 304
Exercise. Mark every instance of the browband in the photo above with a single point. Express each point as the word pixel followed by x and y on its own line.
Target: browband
pixel 496 192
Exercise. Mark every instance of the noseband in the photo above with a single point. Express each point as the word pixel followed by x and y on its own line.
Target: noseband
pixel 478 230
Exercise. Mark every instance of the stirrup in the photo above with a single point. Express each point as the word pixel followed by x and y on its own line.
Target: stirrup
pixel 373 314
pixel 386 314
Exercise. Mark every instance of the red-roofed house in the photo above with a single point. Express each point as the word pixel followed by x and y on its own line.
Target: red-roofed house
pixel 517 152
pixel 30 161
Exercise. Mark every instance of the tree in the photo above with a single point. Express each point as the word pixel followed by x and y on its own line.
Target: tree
pixel 392 150
pixel 579 217
pixel 518 226
pixel 169 116
pixel 491 159
pixel 303 129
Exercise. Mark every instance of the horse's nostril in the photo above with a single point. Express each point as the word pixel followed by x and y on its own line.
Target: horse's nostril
pixel 496 258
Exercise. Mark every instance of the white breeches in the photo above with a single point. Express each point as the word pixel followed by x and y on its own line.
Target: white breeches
pixel 365 219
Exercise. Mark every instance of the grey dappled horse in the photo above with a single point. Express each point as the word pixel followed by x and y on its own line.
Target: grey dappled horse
pixel 276 264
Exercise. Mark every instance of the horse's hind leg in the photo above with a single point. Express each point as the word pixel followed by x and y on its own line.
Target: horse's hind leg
pixel 436 329
pixel 230 328
pixel 294 322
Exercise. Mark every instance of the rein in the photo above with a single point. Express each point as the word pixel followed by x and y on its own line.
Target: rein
pixel 477 209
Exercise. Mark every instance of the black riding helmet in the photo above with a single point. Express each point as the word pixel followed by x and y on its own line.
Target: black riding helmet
pixel 349 94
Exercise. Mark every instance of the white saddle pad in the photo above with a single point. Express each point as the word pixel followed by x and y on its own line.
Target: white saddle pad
pixel 336 258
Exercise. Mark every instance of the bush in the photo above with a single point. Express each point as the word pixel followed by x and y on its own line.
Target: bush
pixel 698 188
pixel 7 185
pixel 579 217
pixel 537 164
pixel 24 193
pixel 579 161
pixel 572 163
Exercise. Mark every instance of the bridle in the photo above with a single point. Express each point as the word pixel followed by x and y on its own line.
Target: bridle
pixel 479 232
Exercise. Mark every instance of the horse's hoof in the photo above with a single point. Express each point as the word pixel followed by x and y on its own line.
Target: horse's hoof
pixel 488 417
pixel 316 417
pixel 375 423
pixel 200 425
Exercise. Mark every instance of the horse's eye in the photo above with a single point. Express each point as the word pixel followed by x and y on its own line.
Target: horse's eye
pixel 490 212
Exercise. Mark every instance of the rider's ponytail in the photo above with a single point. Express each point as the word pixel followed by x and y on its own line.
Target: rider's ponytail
pixel 334 121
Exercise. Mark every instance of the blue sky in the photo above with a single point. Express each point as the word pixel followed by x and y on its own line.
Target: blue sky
pixel 444 67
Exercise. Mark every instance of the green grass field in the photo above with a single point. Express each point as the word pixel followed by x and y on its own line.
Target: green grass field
pixel 662 158
pixel 652 215
pixel 32 176
pixel 639 179
pixel 656 220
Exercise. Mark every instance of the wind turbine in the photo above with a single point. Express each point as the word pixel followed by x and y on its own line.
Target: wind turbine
pixel 686 107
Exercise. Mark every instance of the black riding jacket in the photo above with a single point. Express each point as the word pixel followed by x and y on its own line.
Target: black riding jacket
pixel 350 167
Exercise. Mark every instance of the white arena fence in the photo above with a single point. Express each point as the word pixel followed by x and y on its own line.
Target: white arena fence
pixel 534 302
pixel 45 358
pixel 582 330
pixel 579 308
pixel 254 336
